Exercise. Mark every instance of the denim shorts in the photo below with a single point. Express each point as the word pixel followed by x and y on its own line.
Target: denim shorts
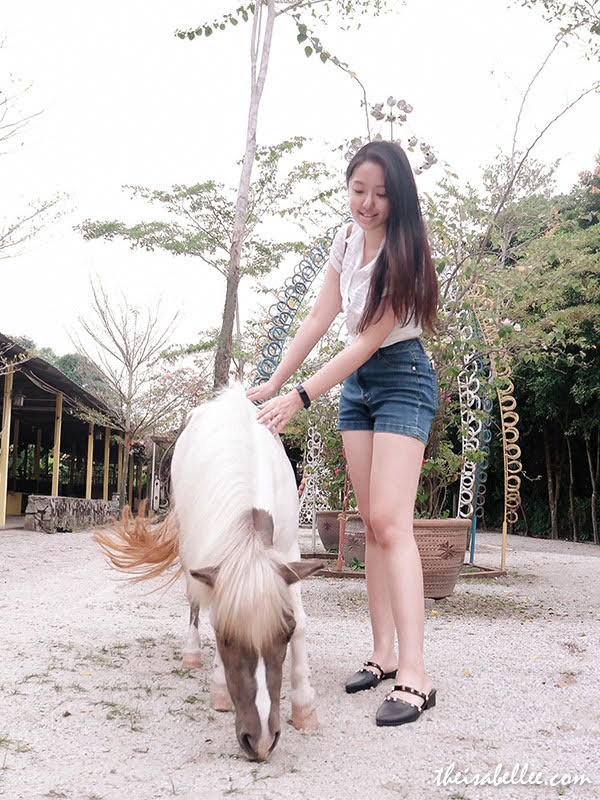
pixel 395 391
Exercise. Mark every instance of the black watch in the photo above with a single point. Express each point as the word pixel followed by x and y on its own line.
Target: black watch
pixel 305 398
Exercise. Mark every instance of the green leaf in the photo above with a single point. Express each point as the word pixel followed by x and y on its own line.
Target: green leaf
pixel 191 35
pixel 207 30
pixel 302 37
pixel 324 57
pixel 181 35
pixel 198 31
pixel 308 50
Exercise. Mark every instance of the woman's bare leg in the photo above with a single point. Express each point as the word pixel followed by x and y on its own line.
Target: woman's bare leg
pixel 395 469
pixel 359 449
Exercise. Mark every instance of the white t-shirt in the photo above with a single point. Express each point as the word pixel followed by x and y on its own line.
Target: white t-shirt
pixel 355 281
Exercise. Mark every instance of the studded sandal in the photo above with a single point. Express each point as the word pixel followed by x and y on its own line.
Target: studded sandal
pixel 366 679
pixel 394 711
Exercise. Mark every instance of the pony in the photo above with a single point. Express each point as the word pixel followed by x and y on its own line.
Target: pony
pixel 233 529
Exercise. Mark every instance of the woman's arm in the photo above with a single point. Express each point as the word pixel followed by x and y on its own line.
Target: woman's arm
pixel 325 309
pixel 278 411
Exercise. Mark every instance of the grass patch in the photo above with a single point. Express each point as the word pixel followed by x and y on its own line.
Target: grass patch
pixel 146 641
pixel 182 672
pixel 123 713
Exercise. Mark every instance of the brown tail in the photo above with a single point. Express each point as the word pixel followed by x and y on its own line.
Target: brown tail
pixel 139 547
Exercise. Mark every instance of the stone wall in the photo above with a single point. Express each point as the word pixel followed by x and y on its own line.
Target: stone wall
pixel 57 514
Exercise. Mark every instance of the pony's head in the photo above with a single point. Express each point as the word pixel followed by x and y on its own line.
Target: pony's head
pixel 252 612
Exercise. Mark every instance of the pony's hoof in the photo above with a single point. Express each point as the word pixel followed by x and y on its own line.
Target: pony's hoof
pixel 220 699
pixel 191 660
pixel 304 719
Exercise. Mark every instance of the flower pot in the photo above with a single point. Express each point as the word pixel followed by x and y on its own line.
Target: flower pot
pixel 328 526
pixel 354 540
pixel 441 542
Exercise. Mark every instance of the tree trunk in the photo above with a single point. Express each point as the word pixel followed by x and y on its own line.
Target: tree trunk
pixel 124 471
pixel 597 479
pixel 525 522
pixel 571 489
pixel 238 333
pixel 594 481
pixel 553 481
pixel 223 355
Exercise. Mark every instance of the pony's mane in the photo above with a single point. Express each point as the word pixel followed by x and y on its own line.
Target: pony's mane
pixel 250 602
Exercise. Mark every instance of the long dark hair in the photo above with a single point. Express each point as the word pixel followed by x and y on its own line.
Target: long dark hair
pixel 403 276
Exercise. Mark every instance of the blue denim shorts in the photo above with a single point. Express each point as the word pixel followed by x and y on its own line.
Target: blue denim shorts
pixel 394 391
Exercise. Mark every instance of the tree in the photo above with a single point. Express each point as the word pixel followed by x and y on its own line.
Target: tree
pixel 580 20
pixel 198 219
pixel 264 15
pixel 553 296
pixel 127 346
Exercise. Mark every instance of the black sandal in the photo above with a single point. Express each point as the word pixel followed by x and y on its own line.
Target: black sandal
pixel 394 711
pixel 366 679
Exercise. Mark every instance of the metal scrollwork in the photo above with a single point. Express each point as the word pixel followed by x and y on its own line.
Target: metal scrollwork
pixel 313 497
pixel 487 405
pixel 289 299
pixel 507 404
pixel 470 404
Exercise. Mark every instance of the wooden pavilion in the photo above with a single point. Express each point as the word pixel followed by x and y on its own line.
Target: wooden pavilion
pixel 47 446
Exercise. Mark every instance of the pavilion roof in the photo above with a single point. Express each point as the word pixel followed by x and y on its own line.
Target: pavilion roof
pixel 46 378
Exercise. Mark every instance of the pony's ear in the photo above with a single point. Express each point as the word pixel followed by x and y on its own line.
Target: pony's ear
pixel 297 570
pixel 205 575
pixel 263 525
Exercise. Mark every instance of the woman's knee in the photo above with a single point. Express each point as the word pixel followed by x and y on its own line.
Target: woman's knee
pixel 389 530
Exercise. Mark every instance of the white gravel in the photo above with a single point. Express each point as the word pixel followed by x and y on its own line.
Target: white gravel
pixel 94 703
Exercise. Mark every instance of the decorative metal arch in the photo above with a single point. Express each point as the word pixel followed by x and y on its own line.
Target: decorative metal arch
pixel 289 299
pixel 509 418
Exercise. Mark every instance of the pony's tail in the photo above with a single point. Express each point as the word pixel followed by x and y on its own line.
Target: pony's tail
pixel 137 546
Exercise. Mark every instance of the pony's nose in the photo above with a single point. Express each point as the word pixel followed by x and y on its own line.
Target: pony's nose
pixel 258 748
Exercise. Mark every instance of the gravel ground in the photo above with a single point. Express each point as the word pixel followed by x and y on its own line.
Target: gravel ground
pixel 94 702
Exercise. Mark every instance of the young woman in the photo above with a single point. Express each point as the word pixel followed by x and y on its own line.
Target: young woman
pixel 381 274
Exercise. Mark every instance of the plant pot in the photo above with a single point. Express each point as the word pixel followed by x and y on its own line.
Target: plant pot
pixel 354 540
pixel 328 526
pixel 441 542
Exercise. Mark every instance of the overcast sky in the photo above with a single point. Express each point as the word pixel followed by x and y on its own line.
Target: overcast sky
pixel 126 102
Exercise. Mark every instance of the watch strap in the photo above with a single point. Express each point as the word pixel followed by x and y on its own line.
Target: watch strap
pixel 304 397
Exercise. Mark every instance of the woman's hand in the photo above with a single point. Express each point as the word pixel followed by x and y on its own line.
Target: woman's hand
pixel 262 391
pixel 276 413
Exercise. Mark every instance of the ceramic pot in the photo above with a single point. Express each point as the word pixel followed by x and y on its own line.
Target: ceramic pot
pixel 441 542
pixel 328 526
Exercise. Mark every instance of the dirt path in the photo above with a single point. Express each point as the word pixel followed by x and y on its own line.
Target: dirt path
pixel 94 702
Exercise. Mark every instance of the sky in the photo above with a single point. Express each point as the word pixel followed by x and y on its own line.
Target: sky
pixel 123 101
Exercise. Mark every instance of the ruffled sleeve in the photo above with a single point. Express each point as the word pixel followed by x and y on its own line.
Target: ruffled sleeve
pixel 336 254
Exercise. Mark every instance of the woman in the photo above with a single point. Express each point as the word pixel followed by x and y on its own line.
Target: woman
pixel 381 274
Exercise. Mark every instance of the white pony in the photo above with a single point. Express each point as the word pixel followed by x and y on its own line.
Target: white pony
pixel 233 527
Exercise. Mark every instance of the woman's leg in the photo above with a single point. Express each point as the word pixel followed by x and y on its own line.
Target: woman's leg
pixel 395 469
pixel 359 449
